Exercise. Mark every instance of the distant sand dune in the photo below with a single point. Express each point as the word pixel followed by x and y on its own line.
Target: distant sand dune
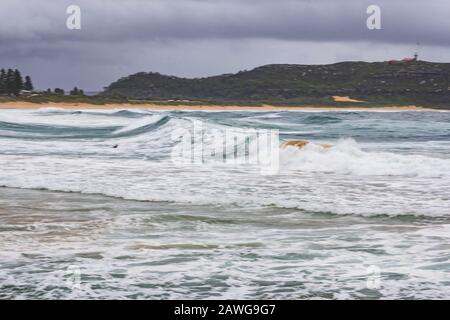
pixel 345 99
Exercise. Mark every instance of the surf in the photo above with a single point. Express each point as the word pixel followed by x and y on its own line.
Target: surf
pixel 127 154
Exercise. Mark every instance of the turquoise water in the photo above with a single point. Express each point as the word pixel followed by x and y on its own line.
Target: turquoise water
pixel 91 206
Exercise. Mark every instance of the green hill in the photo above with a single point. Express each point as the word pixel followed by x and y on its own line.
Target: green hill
pixel 420 83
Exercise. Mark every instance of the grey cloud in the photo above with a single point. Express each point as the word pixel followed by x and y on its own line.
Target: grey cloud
pixel 203 37
pixel 323 20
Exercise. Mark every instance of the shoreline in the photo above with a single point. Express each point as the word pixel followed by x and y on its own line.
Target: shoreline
pixel 156 107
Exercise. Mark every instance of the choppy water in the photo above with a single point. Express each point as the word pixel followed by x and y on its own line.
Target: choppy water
pixel 133 224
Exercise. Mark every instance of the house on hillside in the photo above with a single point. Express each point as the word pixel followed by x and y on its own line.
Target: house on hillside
pixel 404 60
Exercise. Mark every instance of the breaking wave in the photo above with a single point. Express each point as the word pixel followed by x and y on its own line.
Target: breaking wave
pixel 127 154
pixel 347 157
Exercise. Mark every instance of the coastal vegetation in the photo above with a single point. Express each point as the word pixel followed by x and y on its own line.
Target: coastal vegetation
pixel 362 84
pixel 380 83
pixel 12 82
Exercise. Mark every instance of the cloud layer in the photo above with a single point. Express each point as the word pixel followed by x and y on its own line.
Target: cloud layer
pixel 204 37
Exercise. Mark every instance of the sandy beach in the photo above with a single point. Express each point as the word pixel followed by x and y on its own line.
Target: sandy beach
pixel 156 107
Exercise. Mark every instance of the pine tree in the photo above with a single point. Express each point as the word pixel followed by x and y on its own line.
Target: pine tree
pixel 2 81
pixel 17 82
pixel 9 82
pixel 28 84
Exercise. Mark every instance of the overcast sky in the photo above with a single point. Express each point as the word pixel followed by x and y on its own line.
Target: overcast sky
pixel 194 38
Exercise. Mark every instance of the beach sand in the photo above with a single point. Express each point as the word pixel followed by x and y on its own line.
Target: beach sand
pixel 345 99
pixel 156 107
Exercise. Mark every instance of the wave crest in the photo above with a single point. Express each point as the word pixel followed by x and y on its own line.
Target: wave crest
pixel 347 157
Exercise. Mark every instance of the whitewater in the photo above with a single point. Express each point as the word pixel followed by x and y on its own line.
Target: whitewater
pixel 97 191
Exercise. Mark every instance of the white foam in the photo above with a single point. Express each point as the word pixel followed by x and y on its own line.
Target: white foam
pixel 347 157
pixel 138 123
pixel 346 179
pixel 63 118
pixel 173 247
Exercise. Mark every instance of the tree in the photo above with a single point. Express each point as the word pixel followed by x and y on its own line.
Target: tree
pixel 9 81
pixel 76 92
pixel 28 84
pixel 17 84
pixel 59 91
pixel 2 81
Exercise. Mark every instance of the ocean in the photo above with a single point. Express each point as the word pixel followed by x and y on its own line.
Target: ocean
pixel 92 206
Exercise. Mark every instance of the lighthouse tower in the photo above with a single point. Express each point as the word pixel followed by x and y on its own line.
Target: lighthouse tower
pixel 416 56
